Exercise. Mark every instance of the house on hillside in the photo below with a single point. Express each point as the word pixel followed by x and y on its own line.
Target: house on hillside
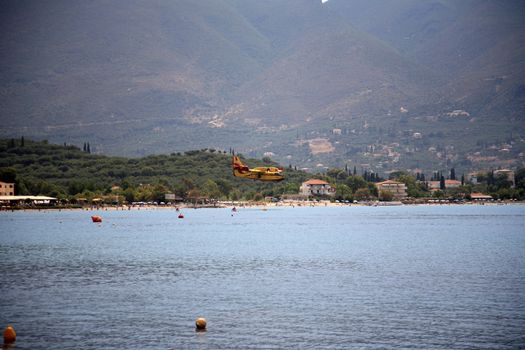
pixel 398 189
pixel 315 187
pixel 7 189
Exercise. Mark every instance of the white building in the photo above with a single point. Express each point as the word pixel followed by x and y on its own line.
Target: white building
pixel 315 187
pixel 472 178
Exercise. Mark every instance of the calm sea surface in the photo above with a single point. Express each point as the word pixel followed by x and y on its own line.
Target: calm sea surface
pixel 421 277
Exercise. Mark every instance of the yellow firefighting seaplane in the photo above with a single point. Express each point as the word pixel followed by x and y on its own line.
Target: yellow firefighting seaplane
pixel 260 173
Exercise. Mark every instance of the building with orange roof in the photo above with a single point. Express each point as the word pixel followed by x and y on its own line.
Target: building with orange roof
pixel 476 196
pixel 316 187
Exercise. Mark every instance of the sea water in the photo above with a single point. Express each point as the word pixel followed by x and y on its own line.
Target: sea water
pixel 422 277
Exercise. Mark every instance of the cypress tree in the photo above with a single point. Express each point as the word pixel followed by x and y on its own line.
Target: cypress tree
pixel 355 171
pixel 22 141
pixel 442 183
pixel 452 174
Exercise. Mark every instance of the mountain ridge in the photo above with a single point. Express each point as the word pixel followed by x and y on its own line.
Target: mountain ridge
pixel 138 78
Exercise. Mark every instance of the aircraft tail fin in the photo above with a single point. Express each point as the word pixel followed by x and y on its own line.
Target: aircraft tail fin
pixel 238 165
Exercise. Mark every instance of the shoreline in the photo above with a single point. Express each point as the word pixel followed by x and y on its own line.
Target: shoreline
pixel 252 205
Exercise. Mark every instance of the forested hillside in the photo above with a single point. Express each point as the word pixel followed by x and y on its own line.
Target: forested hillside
pixel 66 171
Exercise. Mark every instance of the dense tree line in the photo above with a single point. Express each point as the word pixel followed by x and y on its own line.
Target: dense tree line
pixel 350 186
pixel 68 172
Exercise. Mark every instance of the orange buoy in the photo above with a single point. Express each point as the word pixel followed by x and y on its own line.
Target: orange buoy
pixel 181 216
pixel 96 218
pixel 9 335
pixel 200 323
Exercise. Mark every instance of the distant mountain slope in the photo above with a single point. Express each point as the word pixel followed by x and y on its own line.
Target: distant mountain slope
pixel 334 69
pixel 135 77
pixel 475 45
pixel 83 61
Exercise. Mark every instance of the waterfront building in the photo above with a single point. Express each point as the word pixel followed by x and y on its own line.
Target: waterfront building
pixel 7 189
pixel 480 197
pixel 449 184
pixel 10 200
pixel 315 187
pixel 398 189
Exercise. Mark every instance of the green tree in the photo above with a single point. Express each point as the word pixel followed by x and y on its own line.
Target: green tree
pixel 397 174
pixel 224 187
pixel 501 181
pixel 343 192
pixel 337 174
pixel 438 194
pixel 8 174
pixel 290 188
pixel 519 178
pixel 355 182
pixel 210 189
pixel 386 196
pixel 129 195
pixel 414 189
pixel 158 193
pixel 235 195
pixel 194 194
pixel 363 194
